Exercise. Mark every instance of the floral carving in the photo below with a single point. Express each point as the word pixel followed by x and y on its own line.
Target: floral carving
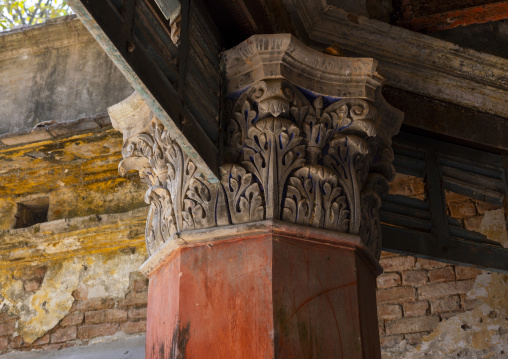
pixel 243 196
pixel 289 158
pixel 314 198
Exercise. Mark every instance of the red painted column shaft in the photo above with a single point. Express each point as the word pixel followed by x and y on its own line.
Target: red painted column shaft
pixel 278 294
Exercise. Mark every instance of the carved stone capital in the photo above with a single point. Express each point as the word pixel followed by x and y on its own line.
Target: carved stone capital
pixel 307 141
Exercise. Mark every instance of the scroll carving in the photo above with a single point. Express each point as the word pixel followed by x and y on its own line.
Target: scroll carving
pixel 289 154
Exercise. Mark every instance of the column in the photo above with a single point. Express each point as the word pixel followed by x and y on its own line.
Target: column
pixel 279 258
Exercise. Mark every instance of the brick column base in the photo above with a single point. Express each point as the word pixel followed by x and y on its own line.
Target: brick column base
pixel 264 290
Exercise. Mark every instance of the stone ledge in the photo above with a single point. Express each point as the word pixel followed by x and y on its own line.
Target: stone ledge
pixel 51 34
pixel 72 237
pixel 48 130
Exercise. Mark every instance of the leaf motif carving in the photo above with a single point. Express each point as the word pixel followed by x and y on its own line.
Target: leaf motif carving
pixel 314 198
pixel 243 195
pixel 289 155
pixel 272 151
pixel 199 204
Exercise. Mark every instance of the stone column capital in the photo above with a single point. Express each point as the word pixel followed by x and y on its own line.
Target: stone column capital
pixel 307 140
pixel 282 56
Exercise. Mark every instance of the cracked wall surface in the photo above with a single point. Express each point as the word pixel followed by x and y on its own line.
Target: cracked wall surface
pixel 73 301
pixel 55 71
pixel 72 279
pixel 430 309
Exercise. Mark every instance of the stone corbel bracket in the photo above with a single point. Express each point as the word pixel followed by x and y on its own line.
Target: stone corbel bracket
pixel 307 141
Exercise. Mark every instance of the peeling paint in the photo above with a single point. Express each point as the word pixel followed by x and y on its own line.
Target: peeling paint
pixel 108 276
pixel 51 302
pixel 100 275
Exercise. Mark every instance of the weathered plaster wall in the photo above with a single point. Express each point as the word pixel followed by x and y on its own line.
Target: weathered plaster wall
pixel 74 279
pixel 77 172
pixel 72 301
pixel 429 309
pixel 55 71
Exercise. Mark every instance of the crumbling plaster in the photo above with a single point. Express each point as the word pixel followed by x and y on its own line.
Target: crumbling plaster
pixel 480 333
pixel 101 275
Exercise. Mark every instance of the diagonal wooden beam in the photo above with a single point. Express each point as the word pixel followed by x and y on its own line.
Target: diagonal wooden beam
pixel 463 17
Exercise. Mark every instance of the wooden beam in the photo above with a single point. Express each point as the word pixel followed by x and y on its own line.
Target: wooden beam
pixel 463 17
pixel 137 38
pixel 410 60
pixel 448 250
pixel 450 121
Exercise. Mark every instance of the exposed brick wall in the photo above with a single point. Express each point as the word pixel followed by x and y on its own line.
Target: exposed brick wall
pixel 415 294
pixel 88 318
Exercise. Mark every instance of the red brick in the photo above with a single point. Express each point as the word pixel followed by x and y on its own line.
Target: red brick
pixel 64 335
pixel 97 330
pixel 81 293
pixel 137 313
pixel 387 280
pixel 397 264
pixel 416 309
pixel 134 298
pixel 447 304
pixel 429 264
pixel 72 319
pixel 4 343
pixel 389 311
pixel 17 342
pixel 462 209
pixel 134 327
pixel 42 340
pixel 95 304
pixel 40 272
pixel 7 329
pixel 140 284
pixel 414 277
pixel 31 285
pixel 442 274
pixel 412 325
pixel 396 294
pixel 436 290
pixel 466 272
pixel 8 318
pixel 106 316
